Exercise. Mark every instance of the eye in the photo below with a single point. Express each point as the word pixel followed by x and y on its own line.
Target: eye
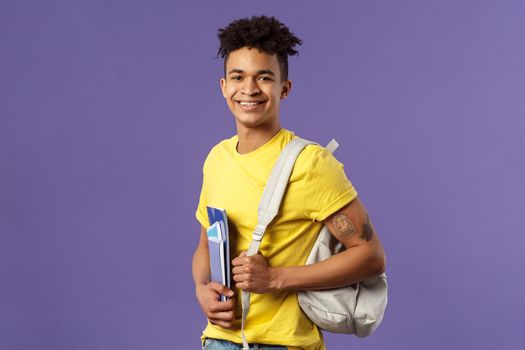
pixel 236 77
pixel 265 78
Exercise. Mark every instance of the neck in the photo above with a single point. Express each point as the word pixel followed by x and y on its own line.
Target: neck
pixel 252 138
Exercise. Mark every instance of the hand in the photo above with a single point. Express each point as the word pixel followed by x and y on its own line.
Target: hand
pixel 220 313
pixel 253 274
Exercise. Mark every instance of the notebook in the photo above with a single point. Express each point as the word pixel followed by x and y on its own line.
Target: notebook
pixel 219 247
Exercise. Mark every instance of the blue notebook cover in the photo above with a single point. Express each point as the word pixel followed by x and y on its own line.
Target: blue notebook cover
pixel 216 252
pixel 219 215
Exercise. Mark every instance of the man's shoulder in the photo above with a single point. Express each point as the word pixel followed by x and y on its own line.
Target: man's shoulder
pixel 313 153
pixel 315 160
pixel 225 145
pixel 219 152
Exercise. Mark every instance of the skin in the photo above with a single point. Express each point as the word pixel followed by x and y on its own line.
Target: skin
pixel 252 75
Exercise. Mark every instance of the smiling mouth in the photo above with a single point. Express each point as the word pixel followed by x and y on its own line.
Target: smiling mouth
pixel 250 103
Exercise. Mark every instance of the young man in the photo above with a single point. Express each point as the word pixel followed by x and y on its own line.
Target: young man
pixel 255 81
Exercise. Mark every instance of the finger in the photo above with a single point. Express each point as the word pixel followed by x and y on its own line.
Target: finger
pixel 221 306
pixel 241 277
pixel 243 286
pixel 221 289
pixel 222 316
pixel 240 269
pixel 238 260
pixel 223 324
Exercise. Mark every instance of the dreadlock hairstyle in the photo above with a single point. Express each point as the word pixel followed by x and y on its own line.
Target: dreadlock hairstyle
pixel 264 33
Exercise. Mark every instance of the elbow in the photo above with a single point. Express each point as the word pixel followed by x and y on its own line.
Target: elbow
pixel 378 263
pixel 381 266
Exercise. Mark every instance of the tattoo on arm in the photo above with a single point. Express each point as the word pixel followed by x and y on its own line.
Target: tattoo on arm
pixel 345 228
pixel 368 230
pixel 343 225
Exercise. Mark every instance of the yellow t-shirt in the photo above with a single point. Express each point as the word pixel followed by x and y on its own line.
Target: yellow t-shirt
pixel 318 187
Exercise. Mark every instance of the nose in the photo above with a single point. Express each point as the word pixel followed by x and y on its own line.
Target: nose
pixel 250 87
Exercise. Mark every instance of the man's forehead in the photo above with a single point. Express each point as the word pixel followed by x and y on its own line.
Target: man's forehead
pixel 258 72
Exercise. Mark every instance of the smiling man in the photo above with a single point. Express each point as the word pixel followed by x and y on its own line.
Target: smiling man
pixel 255 82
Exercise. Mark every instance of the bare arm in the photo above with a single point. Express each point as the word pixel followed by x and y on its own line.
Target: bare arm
pixel 220 313
pixel 363 258
pixel 200 264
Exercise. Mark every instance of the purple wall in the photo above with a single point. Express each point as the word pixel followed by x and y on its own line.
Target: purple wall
pixel 104 107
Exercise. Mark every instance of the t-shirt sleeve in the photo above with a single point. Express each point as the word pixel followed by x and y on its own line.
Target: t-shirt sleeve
pixel 326 187
pixel 202 214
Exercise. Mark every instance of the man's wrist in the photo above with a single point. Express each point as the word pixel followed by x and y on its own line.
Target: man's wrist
pixel 279 279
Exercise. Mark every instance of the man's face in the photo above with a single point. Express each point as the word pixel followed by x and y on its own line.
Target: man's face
pixel 253 88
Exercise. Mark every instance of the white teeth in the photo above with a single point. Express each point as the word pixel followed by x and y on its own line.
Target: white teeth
pixel 248 104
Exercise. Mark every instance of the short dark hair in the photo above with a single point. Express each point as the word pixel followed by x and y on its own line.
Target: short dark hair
pixel 264 33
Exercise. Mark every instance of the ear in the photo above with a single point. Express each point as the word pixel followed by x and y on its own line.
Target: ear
pixel 285 89
pixel 223 87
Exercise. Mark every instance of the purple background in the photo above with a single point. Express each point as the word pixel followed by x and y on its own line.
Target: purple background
pixel 108 109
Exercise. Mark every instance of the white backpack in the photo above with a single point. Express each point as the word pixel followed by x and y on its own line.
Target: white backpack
pixel 355 309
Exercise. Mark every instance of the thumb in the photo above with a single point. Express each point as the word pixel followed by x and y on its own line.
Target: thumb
pixel 221 289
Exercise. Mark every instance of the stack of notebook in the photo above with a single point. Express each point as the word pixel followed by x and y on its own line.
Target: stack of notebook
pixel 219 247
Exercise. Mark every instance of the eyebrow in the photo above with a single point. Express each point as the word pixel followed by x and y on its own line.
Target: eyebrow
pixel 259 72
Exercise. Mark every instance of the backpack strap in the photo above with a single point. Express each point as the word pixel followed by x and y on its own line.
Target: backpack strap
pixel 274 190
pixel 270 203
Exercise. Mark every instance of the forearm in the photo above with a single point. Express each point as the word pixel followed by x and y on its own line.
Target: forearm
pixel 348 267
pixel 200 264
